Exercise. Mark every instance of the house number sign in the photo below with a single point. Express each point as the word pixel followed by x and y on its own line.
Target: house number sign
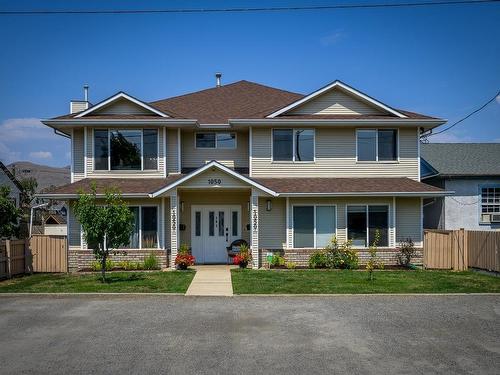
pixel 174 220
pixel 215 181
pixel 255 220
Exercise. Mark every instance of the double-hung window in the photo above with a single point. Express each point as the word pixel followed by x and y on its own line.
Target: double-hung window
pixel 145 232
pixel 216 140
pixel 293 145
pixel 313 226
pixel 126 149
pixel 377 144
pixel 364 221
pixel 490 204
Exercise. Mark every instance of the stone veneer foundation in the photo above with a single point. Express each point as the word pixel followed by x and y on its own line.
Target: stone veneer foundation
pixel 301 256
pixel 82 259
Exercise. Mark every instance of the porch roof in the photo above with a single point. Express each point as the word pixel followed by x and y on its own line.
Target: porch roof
pixel 305 186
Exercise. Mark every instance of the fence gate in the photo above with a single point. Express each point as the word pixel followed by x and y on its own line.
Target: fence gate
pixel 484 249
pixel 48 253
pixel 438 249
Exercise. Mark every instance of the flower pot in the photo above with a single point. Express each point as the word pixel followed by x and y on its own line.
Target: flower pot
pixel 243 264
pixel 182 266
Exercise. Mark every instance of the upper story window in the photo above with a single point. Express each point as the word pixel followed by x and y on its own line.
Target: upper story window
pixel 216 140
pixel 490 204
pixel 128 149
pixel 377 144
pixel 293 145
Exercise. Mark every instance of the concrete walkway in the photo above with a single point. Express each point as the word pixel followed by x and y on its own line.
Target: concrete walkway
pixel 211 281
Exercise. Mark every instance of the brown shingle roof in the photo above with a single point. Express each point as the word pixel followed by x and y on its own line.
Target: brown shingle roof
pixel 346 185
pixel 146 186
pixel 124 185
pixel 216 105
pixel 238 100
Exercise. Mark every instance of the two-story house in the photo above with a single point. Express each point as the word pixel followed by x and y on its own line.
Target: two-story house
pixel 282 170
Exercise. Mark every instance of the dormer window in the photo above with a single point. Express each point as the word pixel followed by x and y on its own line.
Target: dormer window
pixel 125 149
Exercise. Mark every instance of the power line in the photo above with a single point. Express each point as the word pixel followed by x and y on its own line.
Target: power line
pixel 466 117
pixel 249 9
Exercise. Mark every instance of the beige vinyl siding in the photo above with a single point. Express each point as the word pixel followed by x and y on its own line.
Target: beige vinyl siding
pixel 408 218
pixel 341 204
pixel 172 151
pixel 335 156
pixel 193 157
pixel 78 154
pixel 336 102
pixel 212 198
pixel 272 224
pixel 123 174
pixel 123 107
pixel 166 222
pixel 74 229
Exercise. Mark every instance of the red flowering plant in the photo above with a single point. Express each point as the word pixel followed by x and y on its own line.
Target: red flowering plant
pixel 183 259
pixel 243 257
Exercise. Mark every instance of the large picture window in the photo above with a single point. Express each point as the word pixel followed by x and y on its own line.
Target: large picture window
pixel 125 149
pixel 313 226
pixel 377 145
pixel 364 221
pixel 293 145
pixel 215 140
pixel 145 232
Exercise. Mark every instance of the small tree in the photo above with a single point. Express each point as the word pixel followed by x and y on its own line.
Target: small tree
pixel 406 251
pixel 106 224
pixel 9 214
pixel 374 261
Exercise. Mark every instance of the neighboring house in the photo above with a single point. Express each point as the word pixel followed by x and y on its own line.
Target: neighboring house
pixel 282 170
pixel 8 179
pixel 55 224
pixel 472 171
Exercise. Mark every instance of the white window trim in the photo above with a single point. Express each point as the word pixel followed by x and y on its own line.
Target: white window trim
pixel 395 161
pixel 366 205
pixel 314 217
pixel 216 143
pixel 140 206
pixel 294 130
pixel 480 208
pixel 158 140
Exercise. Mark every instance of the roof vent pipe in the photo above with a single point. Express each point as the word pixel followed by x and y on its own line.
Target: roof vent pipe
pixel 86 92
pixel 217 79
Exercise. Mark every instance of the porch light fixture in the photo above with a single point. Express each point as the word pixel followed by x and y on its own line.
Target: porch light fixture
pixel 182 206
pixel 269 205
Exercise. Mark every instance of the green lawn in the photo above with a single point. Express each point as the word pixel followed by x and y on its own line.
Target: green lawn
pixel 334 281
pixel 117 282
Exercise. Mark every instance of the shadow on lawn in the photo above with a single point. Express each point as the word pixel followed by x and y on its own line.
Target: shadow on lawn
pixel 110 279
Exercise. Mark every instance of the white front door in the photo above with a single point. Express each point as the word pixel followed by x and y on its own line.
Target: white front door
pixel 213 228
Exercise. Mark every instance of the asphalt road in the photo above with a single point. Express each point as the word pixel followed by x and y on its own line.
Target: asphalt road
pixel 296 335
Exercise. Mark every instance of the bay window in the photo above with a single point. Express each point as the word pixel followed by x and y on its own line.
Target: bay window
pixel 313 226
pixel 377 144
pixel 126 149
pixel 293 145
pixel 145 231
pixel 364 220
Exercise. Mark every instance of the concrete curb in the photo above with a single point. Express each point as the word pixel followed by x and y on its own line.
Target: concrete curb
pixel 114 294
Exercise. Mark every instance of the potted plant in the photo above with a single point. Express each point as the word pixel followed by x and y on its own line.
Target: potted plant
pixel 183 259
pixel 243 257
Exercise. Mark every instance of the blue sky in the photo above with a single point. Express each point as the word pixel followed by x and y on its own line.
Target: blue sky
pixel 441 61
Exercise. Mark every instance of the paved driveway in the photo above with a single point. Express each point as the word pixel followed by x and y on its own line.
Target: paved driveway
pixel 297 335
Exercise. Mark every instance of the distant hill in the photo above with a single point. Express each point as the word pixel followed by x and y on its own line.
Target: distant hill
pixel 46 176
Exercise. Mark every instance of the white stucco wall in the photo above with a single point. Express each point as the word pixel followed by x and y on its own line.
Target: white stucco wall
pixel 462 209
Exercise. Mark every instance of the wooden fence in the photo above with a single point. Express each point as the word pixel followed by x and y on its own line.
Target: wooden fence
pixel 40 254
pixel 460 249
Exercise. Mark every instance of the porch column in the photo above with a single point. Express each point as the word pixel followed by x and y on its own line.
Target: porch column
pixel 174 225
pixel 254 227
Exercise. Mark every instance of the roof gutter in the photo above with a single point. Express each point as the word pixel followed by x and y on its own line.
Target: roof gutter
pixel 162 121
pixel 329 122
pixel 372 194
pixel 74 195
